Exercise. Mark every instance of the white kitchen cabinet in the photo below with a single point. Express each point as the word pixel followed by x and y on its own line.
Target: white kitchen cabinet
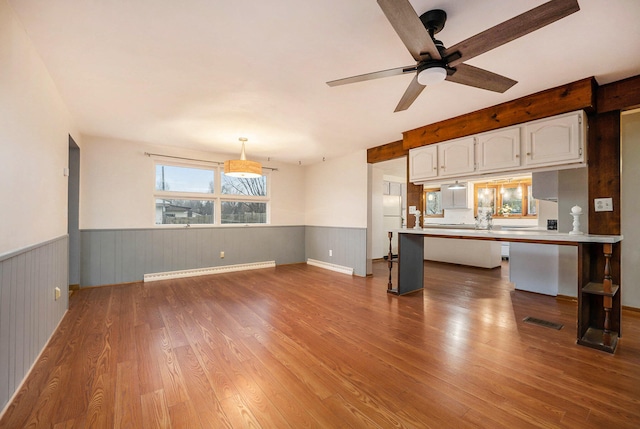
pixel 423 163
pixel 555 141
pixel 456 157
pixel 498 150
pixel 454 198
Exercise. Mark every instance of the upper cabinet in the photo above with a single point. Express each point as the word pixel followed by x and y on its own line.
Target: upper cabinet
pixel 554 141
pixel 456 157
pixel 449 159
pixel 557 142
pixel 498 150
pixel 423 163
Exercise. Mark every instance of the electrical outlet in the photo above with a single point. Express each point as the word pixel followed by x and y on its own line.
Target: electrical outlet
pixel 330 252
pixel 57 293
pixel 222 255
pixel 603 204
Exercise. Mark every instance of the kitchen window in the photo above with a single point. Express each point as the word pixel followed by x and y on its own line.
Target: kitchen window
pixel 433 203
pixel 505 199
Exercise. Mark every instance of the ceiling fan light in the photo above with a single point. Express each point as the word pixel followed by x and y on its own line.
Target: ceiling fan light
pixel 432 75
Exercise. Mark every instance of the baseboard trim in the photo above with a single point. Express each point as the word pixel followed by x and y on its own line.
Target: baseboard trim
pixel 167 275
pixel 330 266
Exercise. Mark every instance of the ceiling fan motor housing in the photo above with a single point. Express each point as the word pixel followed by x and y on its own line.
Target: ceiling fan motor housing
pixel 433 20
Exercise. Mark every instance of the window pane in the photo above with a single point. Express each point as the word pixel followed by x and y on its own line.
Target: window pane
pixel 243 212
pixel 486 201
pixel 433 203
pixel 511 201
pixel 182 212
pixel 184 179
pixel 242 186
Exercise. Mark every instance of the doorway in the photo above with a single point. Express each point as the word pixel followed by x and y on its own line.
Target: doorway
pixel 73 214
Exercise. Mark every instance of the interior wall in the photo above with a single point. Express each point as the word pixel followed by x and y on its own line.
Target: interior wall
pixel 336 192
pixel 118 182
pixel 34 130
pixel 630 207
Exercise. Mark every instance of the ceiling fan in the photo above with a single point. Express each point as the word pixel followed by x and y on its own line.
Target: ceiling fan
pixel 435 63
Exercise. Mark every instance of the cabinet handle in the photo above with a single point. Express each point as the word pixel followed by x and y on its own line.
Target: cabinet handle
pixel 517 156
pixel 442 167
pixel 528 153
pixel 435 168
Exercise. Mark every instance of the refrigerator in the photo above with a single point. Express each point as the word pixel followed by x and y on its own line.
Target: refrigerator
pixel 392 220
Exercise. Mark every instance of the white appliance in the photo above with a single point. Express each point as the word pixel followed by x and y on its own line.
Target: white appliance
pixel 392 219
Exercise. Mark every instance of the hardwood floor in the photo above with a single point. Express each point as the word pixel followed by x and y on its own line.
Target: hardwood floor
pixel 297 346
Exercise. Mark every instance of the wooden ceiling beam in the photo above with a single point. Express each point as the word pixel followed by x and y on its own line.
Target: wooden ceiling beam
pixel 386 152
pixel 621 95
pixel 562 99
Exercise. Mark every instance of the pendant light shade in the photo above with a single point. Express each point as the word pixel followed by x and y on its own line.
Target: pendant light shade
pixel 242 167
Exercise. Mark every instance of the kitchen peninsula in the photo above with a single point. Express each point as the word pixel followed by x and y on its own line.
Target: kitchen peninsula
pixel 598 298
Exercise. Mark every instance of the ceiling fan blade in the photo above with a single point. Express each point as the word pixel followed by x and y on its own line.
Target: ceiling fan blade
pixel 414 35
pixel 511 29
pixel 410 95
pixel 480 78
pixel 374 75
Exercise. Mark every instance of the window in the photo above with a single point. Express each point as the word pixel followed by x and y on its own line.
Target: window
pixel 433 203
pixel 505 199
pixel 190 195
pixel 249 200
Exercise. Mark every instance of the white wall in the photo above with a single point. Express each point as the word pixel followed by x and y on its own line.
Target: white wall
pixel 34 133
pixel 630 206
pixel 118 181
pixel 336 192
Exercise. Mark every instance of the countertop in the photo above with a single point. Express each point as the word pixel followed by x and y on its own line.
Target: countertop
pixel 522 235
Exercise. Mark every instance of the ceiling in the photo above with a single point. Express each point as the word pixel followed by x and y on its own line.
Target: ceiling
pixel 200 74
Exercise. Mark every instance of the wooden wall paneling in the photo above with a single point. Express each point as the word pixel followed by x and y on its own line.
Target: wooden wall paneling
pixel 415 197
pixel 121 256
pixel 620 95
pixel 566 98
pixel 604 171
pixel 28 311
pixel 386 152
pixel 349 246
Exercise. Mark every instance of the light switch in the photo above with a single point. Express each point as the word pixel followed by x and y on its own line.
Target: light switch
pixel 603 204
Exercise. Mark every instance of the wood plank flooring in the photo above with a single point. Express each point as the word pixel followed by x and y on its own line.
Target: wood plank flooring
pixel 301 347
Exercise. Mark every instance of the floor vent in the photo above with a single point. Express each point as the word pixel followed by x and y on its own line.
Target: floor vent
pixel 540 322
pixel 206 271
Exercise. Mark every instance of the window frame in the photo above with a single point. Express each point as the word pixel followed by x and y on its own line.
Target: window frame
pixel 424 208
pixel 497 186
pixel 217 197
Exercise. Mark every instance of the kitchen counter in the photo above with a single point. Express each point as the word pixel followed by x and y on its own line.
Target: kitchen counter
pixel 520 235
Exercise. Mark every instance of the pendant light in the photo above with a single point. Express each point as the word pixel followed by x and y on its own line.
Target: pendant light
pixel 241 167
pixel 457 185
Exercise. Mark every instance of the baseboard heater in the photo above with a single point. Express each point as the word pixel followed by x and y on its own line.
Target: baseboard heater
pixel 330 266
pixel 206 271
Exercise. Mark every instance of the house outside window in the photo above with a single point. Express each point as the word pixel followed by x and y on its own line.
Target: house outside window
pixel 191 195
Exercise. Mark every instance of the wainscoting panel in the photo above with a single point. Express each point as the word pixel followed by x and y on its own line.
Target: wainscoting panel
pixel 126 255
pixel 29 312
pixel 348 246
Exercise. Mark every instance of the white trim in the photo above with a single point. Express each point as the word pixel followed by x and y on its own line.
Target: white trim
pixel 330 266
pixel 206 271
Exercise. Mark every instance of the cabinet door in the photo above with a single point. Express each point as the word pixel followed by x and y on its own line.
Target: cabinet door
pixel 423 163
pixel 498 150
pixel 555 141
pixel 457 157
